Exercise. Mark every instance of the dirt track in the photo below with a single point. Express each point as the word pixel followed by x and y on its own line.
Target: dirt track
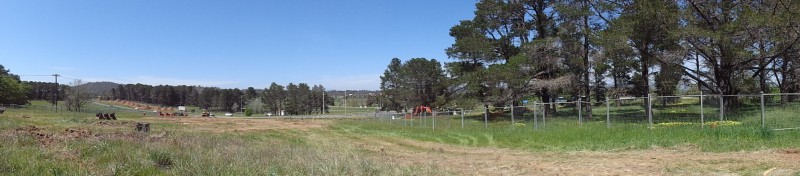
pixel 683 160
pixel 236 124
pixel 495 161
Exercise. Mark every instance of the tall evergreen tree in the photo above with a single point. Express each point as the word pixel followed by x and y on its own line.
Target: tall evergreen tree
pixel 12 90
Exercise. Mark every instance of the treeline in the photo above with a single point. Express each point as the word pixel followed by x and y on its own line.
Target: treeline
pixel 356 98
pixel 513 50
pixel 417 82
pixel 296 99
pixel 211 98
pixel 12 89
pixel 45 91
pixel 292 100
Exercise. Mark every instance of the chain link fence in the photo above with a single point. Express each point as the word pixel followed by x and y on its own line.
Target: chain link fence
pixel 769 111
pixel 777 112
pixel 781 111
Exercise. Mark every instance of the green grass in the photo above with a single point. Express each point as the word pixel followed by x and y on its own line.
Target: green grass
pixel 350 110
pixel 118 150
pixel 566 135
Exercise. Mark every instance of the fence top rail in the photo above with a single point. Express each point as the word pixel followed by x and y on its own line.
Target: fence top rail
pixel 743 95
pixel 667 96
pixel 774 94
pixel 678 96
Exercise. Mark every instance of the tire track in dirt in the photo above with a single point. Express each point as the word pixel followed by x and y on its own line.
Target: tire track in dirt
pixel 681 160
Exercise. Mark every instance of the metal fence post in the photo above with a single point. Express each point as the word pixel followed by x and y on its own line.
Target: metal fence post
pixel 422 118
pixel 433 120
pixel 512 114
pixel 535 120
pixel 721 108
pixel 580 115
pixel 522 115
pixel 650 110
pixel 763 117
pixel 702 118
pixel 608 114
pixel 485 116
pixel 462 118
pixel 544 116
pixel 449 120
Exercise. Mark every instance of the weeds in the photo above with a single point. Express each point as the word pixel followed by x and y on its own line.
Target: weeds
pixel 182 152
pixel 566 135
pixel 161 159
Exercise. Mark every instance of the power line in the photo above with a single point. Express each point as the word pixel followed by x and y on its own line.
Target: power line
pixel 62 76
pixel 70 78
pixel 55 98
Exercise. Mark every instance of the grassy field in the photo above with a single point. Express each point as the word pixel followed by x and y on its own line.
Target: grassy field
pixel 45 142
pixel 566 135
pixel 673 125
pixel 333 110
pixel 38 142
pixel 350 110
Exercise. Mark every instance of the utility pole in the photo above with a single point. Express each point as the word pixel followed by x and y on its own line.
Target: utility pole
pixel 323 102
pixel 55 99
pixel 345 102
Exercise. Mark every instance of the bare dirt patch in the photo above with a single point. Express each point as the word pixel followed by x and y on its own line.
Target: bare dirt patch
pixel 113 123
pixel 235 124
pixel 685 160
pixel 40 135
pixel 46 138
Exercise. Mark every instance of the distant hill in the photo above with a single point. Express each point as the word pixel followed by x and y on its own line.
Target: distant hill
pixel 99 87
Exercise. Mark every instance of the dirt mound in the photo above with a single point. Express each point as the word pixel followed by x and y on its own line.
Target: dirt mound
pixel 46 138
pixel 28 129
pixel 791 151
pixel 42 137
pixel 78 134
pixel 113 123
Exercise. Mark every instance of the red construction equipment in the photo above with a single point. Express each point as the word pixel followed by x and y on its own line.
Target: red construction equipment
pixel 420 109
pixel 417 110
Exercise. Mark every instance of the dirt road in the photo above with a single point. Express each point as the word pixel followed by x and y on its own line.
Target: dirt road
pixel 684 160
pixel 680 160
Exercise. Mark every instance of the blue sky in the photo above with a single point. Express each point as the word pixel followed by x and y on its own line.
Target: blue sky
pixel 231 44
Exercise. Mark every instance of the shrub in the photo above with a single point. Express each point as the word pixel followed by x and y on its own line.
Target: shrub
pixel 248 112
pixel 161 159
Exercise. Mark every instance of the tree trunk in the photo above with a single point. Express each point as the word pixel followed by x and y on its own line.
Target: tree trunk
pixel 588 94
pixel 762 73
pixel 646 82
pixel 546 98
pixel 727 87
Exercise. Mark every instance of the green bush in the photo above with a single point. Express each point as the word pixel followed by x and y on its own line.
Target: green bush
pixel 248 112
pixel 161 159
